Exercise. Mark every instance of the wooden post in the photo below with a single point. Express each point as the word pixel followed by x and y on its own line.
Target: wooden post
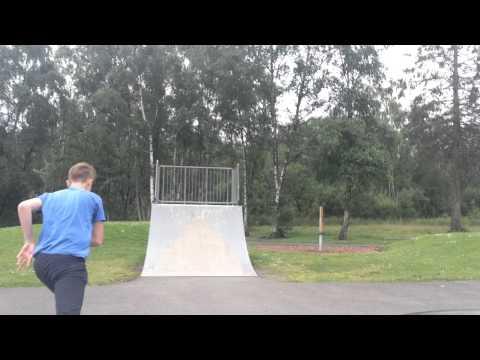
pixel 320 229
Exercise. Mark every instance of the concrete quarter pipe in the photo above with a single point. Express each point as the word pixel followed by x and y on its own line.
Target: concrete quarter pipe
pixel 197 240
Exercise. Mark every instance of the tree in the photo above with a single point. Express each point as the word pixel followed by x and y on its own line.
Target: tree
pixel 152 67
pixel 236 76
pixel 303 80
pixel 109 131
pixel 354 83
pixel 122 107
pixel 449 77
pixel 349 156
pixel 29 94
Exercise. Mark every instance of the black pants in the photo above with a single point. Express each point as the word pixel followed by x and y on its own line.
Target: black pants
pixel 66 276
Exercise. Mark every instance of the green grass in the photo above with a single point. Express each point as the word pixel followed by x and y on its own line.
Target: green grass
pixel 467 221
pixel 411 252
pixel 422 258
pixel 377 234
pixel 119 259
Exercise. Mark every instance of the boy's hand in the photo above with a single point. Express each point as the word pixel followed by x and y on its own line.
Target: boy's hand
pixel 25 208
pixel 24 257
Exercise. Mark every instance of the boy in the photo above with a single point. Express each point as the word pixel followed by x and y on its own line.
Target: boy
pixel 72 222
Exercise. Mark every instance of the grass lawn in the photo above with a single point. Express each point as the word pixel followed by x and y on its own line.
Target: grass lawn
pixel 412 252
pixel 119 259
pixel 359 234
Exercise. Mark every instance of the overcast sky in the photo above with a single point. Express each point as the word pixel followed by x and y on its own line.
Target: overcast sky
pixel 396 59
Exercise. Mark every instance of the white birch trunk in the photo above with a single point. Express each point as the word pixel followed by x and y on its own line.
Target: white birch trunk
pixel 276 199
pixel 152 168
pixel 150 146
pixel 245 197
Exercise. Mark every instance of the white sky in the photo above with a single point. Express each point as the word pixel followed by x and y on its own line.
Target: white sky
pixel 396 59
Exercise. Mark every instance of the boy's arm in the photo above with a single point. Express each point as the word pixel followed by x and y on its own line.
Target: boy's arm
pixel 98 219
pixel 97 234
pixel 25 209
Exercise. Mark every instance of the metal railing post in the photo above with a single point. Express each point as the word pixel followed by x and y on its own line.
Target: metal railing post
pixel 157 182
pixel 163 184
pixel 232 187
pixel 206 185
pixel 184 185
pixel 237 196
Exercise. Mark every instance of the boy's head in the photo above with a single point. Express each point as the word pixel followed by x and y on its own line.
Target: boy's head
pixel 82 174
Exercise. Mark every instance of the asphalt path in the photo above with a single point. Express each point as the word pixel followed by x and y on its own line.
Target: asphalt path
pixel 253 296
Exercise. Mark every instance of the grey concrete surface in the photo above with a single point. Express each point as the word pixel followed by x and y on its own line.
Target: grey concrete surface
pixel 252 295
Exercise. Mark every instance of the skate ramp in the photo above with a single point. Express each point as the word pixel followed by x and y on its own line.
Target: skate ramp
pixel 197 240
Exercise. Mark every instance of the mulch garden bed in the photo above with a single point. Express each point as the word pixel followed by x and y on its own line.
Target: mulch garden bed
pixel 314 248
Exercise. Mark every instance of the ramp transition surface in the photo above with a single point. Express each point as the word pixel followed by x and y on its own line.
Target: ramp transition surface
pixel 197 240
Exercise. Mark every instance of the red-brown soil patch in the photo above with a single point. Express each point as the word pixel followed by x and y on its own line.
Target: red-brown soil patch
pixel 314 248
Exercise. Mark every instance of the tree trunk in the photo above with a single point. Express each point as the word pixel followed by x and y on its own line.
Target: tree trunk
pixel 150 146
pixel 275 201
pixel 276 198
pixel 245 197
pixel 457 168
pixel 152 169
pixel 275 152
pixel 276 205
pixel 343 235
pixel 456 209
pixel 276 221
pixel 126 202
pixel 137 200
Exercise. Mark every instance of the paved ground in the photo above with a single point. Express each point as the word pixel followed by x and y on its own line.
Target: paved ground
pixel 249 295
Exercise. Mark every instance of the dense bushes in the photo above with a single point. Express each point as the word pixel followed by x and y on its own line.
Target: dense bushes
pixel 300 205
pixel 471 204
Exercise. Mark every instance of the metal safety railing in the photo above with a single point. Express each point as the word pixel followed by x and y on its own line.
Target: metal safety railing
pixel 197 185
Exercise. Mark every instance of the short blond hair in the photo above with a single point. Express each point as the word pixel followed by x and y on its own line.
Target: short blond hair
pixel 82 171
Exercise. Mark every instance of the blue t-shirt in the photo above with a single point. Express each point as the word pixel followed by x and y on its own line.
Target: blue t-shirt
pixel 68 218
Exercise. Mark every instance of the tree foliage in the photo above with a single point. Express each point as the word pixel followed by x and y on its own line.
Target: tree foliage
pixel 121 107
